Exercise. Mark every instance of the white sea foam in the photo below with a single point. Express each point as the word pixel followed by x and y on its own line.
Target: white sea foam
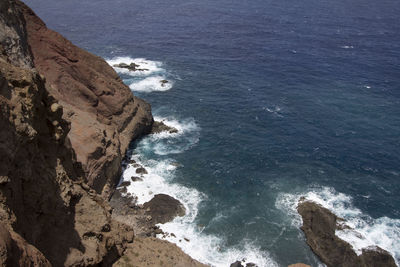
pixel 148 67
pixel 188 235
pixel 365 231
pixel 347 47
pixel 150 84
pixel 165 143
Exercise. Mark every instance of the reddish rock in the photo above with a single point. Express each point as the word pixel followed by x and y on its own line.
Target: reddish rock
pixel 105 116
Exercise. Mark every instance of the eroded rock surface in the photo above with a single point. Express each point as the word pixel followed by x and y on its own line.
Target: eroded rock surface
pixel 319 226
pixel 48 213
pixel 105 117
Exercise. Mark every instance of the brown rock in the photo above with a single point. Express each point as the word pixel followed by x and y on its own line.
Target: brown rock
pixel 164 208
pixel 299 265
pixel 155 252
pixel 319 226
pixel 236 264
pixel 47 216
pixel 141 170
pixel 15 251
pixel 136 179
pixel 107 117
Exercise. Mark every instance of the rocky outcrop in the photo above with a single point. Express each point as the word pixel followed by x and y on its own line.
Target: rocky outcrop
pixel 159 126
pixel 48 214
pixel 43 197
pixel 319 226
pixel 105 117
pixel 163 208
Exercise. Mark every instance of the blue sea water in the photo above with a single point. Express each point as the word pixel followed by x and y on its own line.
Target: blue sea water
pixel 274 100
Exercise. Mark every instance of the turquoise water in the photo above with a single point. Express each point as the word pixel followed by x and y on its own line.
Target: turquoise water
pixel 273 100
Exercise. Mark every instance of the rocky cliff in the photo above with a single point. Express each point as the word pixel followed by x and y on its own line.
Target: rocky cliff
pixel 105 117
pixel 66 120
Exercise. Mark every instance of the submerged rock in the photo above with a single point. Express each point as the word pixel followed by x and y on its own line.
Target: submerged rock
pixel 319 226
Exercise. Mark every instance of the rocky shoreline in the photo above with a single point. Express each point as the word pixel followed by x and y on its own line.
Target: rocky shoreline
pixel 67 120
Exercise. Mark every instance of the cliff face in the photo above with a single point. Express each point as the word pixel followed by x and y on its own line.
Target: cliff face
pixel 48 213
pixel 104 114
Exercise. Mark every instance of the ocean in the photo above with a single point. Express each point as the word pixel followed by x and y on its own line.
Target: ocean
pixel 273 100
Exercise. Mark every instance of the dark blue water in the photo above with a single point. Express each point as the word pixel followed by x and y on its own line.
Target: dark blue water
pixel 290 97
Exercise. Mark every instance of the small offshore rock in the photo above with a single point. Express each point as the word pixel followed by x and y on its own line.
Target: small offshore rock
pixel 136 179
pixel 141 170
pixel 125 183
pixel 159 126
pixel 236 264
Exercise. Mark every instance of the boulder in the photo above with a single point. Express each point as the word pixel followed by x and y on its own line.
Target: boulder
pixel 164 208
pixel 141 170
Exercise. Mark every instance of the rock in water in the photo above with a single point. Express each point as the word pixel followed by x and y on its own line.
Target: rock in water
pixel 164 208
pixel 236 264
pixel 159 126
pixel 319 226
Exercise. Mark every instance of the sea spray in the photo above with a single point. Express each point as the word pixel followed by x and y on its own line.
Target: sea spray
pixel 187 234
pixel 364 230
pixel 148 76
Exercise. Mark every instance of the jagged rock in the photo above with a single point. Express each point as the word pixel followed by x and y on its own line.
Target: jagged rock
pixel 319 226
pixel 104 115
pixel 159 126
pixel 164 208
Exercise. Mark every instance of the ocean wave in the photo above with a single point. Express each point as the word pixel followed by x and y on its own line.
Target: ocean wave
pixel 187 234
pixel 149 67
pixel 165 143
pixel 365 231
pixel 151 84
